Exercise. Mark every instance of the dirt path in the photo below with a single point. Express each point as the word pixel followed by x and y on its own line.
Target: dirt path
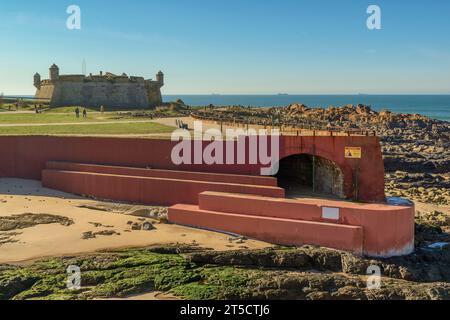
pixel 206 125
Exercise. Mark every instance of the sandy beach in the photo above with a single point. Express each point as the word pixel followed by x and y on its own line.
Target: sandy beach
pixel 47 240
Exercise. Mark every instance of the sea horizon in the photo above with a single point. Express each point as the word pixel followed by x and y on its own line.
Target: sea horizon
pixel 436 106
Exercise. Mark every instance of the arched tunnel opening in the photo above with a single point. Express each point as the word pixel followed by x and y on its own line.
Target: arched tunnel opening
pixel 307 175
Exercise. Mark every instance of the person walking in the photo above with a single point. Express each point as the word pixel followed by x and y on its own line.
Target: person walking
pixel 77 112
pixel 84 113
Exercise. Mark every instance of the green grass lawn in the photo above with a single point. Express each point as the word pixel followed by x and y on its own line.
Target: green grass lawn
pixel 5 107
pixel 93 129
pixel 22 118
pixel 118 112
pixel 67 115
pixel 71 109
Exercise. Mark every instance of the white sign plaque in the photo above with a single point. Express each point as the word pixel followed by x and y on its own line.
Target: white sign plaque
pixel 330 213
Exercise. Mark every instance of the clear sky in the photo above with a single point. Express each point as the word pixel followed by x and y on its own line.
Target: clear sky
pixel 234 46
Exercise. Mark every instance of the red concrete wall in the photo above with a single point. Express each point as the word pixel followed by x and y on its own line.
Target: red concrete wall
pixel 371 165
pixel 274 230
pixel 169 174
pixel 153 191
pixel 25 157
pixel 388 230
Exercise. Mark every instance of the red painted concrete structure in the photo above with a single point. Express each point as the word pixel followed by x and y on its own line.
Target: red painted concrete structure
pixel 118 169
pixel 147 190
pixel 370 229
pixel 167 174
pixel 26 157
pixel 275 230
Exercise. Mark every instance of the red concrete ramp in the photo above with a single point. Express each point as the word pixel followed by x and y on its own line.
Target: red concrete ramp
pixel 158 173
pixel 146 190
pixel 273 230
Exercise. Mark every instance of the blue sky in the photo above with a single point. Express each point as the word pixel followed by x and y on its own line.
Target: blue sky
pixel 234 46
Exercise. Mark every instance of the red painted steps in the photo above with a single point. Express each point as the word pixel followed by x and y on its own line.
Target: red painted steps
pixel 159 173
pixel 247 205
pixel 274 230
pixel 387 230
pixel 129 186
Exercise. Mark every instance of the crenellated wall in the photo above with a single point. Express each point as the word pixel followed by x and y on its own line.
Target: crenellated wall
pixel 107 90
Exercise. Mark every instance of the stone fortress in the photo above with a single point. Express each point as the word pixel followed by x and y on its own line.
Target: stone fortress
pixel 105 89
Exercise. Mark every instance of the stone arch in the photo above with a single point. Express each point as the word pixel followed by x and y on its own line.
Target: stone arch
pixel 307 174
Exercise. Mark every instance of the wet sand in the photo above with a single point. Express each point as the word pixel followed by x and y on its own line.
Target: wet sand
pixel 26 196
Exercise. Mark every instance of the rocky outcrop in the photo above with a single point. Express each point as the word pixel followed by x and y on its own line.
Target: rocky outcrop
pixel 412 144
pixel 422 266
pixel 304 258
pixel 306 273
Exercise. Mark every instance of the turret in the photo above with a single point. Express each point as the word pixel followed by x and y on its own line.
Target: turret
pixel 54 72
pixel 37 81
pixel 160 78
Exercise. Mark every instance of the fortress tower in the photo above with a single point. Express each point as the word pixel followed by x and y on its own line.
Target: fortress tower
pixel 37 81
pixel 54 72
pixel 105 89
pixel 160 77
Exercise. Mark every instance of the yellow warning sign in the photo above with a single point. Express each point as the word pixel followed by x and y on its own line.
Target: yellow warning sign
pixel 353 152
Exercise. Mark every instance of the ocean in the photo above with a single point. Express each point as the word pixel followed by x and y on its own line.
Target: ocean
pixel 433 106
